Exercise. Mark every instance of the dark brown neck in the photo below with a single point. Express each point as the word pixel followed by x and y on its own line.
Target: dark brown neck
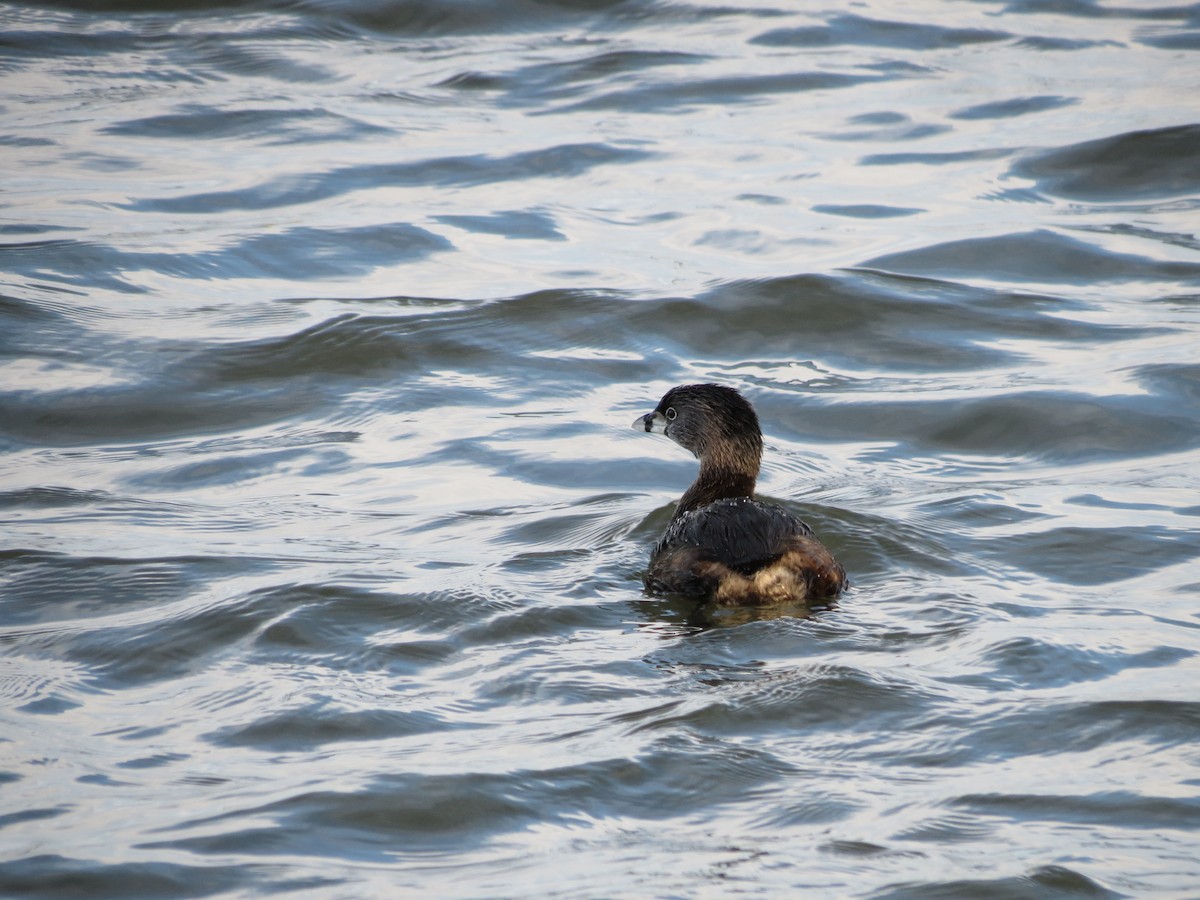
pixel 715 484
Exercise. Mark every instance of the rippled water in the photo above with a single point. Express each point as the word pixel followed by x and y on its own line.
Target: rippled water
pixel 323 326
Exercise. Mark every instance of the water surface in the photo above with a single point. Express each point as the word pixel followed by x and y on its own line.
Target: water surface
pixel 323 324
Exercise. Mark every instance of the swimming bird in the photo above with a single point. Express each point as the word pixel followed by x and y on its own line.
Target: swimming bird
pixel 722 545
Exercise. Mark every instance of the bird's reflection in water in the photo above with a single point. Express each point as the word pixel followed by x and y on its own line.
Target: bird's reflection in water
pixel 673 616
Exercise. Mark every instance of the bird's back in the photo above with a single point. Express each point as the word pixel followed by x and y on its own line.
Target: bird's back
pixel 741 552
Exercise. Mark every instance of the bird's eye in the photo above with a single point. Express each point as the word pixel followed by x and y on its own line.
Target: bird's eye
pixel 671 413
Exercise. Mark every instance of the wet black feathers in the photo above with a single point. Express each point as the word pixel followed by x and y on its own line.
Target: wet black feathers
pixel 740 532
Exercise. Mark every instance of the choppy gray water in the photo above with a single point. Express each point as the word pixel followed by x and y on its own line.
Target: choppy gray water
pixel 323 324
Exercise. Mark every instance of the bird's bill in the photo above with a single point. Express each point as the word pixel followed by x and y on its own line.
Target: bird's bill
pixel 654 422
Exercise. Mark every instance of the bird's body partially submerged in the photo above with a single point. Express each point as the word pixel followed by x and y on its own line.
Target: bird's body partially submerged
pixel 722 544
